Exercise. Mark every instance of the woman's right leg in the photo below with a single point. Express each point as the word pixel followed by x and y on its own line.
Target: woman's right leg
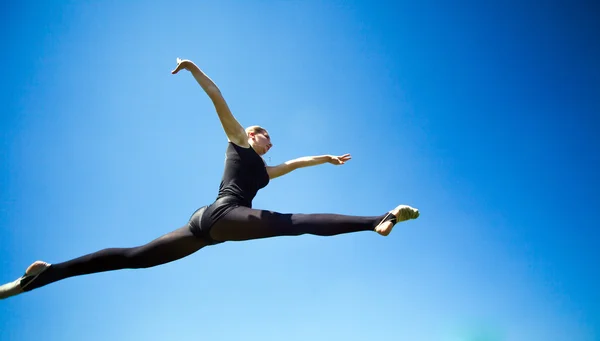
pixel 243 223
pixel 170 247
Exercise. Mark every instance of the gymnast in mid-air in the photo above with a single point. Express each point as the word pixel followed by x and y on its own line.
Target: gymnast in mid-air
pixel 229 218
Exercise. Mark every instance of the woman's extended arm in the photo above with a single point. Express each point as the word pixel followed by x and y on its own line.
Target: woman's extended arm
pixel 307 161
pixel 233 129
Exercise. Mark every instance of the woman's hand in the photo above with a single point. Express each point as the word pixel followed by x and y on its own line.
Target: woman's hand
pixel 182 65
pixel 339 160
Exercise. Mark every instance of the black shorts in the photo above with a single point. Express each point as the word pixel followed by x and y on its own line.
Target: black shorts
pixel 203 219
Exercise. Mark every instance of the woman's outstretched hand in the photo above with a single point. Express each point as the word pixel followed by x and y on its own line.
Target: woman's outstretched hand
pixel 182 65
pixel 339 160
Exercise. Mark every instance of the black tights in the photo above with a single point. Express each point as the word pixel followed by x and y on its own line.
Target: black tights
pixel 240 224
pixel 243 223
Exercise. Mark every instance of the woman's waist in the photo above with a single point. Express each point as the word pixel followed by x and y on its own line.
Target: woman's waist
pixel 230 199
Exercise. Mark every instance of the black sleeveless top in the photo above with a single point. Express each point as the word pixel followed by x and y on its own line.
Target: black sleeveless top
pixel 245 173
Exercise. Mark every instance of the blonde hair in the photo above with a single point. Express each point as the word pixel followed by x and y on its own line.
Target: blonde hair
pixel 256 130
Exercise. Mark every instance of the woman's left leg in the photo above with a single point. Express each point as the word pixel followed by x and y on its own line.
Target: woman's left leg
pixel 243 223
pixel 168 248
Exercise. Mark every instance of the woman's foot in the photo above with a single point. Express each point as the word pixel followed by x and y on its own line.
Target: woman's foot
pixel 400 213
pixel 16 287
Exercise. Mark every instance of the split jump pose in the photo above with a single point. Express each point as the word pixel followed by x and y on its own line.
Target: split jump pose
pixel 229 218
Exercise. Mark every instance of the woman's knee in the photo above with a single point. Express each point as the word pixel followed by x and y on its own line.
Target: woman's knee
pixel 135 259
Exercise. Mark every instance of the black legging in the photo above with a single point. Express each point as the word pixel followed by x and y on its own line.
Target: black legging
pixel 239 224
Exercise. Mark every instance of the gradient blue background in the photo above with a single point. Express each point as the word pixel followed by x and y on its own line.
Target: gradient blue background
pixel 481 115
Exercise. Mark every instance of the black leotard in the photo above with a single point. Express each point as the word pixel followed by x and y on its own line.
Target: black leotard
pixel 244 175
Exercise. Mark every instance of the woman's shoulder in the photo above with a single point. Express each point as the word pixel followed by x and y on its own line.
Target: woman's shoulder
pixel 242 151
pixel 237 145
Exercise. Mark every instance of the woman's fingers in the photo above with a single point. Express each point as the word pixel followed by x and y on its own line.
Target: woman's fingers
pixel 179 66
pixel 340 160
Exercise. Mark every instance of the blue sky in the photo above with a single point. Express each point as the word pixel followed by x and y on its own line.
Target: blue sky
pixel 481 115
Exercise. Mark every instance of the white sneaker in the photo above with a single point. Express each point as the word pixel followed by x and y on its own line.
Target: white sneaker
pixel 16 287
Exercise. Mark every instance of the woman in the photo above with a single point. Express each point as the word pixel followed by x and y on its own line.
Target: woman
pixel 230 218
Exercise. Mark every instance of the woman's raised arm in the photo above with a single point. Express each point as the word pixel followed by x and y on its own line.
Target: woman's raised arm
pixel 233 129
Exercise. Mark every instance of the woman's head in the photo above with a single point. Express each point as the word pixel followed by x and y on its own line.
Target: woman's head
pixel 259 139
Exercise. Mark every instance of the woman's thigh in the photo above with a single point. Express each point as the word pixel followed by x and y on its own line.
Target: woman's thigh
pixel 243 223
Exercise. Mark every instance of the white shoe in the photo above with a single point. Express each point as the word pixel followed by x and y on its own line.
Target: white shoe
pixel 399 214
pixel 16 287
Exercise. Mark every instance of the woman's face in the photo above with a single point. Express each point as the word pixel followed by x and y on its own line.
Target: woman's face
pixel 261 142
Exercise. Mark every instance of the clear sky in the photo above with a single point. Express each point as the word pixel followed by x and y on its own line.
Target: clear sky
pixel 480 114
